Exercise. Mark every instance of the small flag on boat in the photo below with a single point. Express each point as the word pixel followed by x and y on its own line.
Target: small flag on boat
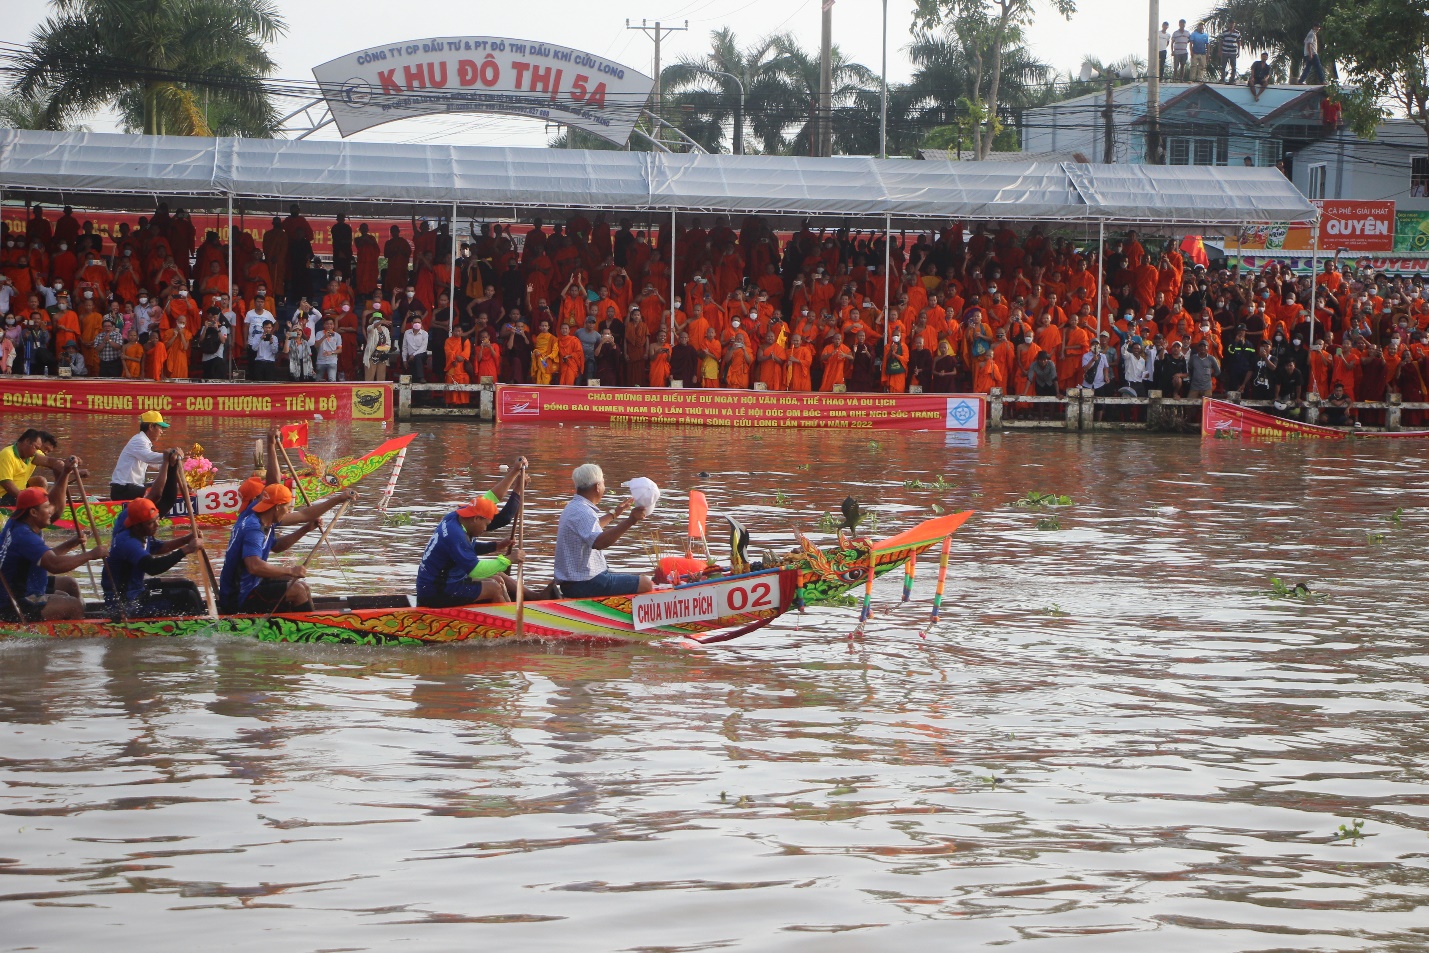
pixel 294 435
pixel 699 514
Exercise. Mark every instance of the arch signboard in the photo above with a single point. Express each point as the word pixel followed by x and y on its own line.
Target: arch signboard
pixel 483 74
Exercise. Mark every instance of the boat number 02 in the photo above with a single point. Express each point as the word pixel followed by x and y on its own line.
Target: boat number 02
pixel 749 597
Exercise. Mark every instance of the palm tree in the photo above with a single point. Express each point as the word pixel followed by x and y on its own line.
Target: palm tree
pixel 27 112
pixel 703 100
pixel 169 65
pixel 798 97
pixel 1276 26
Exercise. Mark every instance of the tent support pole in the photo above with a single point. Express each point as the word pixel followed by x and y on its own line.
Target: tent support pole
pixel 672 342
pixel 1314 276
pixel 231 302
pixel 1101 276
pixel 451 290
pixel 887 238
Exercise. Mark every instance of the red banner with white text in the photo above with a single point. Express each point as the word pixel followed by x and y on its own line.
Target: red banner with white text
pixel 81 395
pixel 740 408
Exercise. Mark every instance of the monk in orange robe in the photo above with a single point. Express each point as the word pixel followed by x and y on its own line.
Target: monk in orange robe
pixel 895 364
pixel 1075 341
pixel 987 373
pixel 458 364
pixel 399 255
pixel 711 353
pixel 176 347
pixel 636 348
pixel 66 328
pixel 572 356
pixel 1005 355
pixel 1027 352
pixel 364 276
pixel 91 322
pixel 133 355
pixel 737 364
pixel 545 355
pixel 660 360
pixel 487 357
pixel 154 356
pixel 771 362
pixel 797 376
pixel 837 358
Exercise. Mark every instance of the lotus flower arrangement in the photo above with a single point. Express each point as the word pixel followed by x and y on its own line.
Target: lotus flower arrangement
pixel 199 471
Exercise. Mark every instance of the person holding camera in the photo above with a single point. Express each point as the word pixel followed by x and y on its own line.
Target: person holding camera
pixel 265 345
pixel 378 350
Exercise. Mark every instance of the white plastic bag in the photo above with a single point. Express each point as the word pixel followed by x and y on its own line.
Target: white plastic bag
pixel 645 493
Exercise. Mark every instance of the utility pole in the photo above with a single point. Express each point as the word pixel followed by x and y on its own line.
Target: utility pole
pixel 1153 84
pixel 656 31
pixel 826 83
pixel 883 98
pixel 1109 142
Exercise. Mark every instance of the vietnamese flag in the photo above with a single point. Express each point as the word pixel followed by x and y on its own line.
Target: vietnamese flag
pixel 1195 248
pixel 294 435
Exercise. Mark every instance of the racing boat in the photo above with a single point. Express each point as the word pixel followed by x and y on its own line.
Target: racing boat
pixel 710 610
pixel 218 503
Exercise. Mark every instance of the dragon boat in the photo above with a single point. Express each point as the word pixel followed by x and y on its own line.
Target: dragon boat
pixel 709 610
pixel 218 503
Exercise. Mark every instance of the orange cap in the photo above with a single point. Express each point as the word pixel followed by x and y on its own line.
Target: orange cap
pixel 480 506
pixel 140 510
pixel 249 488
pixel 274 494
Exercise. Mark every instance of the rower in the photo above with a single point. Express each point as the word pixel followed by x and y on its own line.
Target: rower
pixel 136 560
pixel 582 535
pixel 249 583
pixel 134 552
pixel 456 570
pixel 29 566
pixel 34 448
pixel 131 471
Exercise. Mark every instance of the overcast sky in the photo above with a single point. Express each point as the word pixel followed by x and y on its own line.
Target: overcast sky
pixel 1108 29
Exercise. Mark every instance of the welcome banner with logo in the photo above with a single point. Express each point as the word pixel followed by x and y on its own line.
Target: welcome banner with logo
pixel 740 408
pixel 85 395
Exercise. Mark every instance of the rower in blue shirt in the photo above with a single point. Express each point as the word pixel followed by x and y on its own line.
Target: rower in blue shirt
pixel 27 562
pixel 456 569
pixel 136 560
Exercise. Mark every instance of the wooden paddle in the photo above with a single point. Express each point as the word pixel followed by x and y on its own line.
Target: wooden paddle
pixel 89 514
pixel 79 530
pixel 520 536
pixel 292 472
pixel 191 503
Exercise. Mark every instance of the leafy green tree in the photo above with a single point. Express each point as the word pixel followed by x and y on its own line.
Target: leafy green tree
pixel 170 66
pixel 798 71
pixel 1383 50
pixel 987 29
pixel 27 112
pixel 1277 27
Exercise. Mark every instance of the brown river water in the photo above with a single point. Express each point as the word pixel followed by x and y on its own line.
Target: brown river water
pixel 1115 740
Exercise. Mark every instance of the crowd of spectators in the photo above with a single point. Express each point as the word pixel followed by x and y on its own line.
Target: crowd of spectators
pixel 1196 55
pixel 969 309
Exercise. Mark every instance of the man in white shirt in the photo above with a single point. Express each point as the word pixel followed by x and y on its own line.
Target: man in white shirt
pixel 1312 58
pixel 131 472
pixel 1135 368
pixel 1163 43
pixel 327 348
pixel 265 345
pixel 414 352
pixel 253 324
pixel 584 532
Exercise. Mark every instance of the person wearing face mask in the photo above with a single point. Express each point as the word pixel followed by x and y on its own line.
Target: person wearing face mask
pixel 378 350
pixel 414 351
pixel 896 358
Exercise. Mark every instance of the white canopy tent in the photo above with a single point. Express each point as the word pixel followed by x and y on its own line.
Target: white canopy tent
pixel 342 174
pixel 357 177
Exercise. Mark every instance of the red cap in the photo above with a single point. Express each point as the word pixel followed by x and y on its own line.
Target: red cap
pixel 140 510
pixel 274 494
pixel 30 497
pixel 250 488
pixel 480 506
